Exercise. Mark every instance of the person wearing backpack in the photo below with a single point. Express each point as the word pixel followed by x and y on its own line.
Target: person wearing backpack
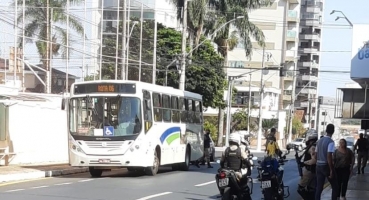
pixel 233 157
pixel 273 150
pixel 362 147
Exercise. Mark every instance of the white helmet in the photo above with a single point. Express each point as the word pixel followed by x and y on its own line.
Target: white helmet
pixel 234 137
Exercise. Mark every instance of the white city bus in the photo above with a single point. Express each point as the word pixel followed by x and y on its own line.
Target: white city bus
pixel 133 125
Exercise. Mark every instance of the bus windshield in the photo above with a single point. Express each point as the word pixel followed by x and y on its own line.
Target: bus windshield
pixel 92 116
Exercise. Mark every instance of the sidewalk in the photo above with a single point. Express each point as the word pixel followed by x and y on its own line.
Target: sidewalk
pixel 18 173
pixel 358 188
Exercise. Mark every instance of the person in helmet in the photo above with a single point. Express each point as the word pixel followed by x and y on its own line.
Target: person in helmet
pixel 244 145
pixel 233 157
pixel 306 186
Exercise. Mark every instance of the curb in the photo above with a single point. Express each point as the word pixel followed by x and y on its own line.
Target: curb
pixel 40 174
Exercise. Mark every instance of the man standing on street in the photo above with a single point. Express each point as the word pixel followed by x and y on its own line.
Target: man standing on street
pixel 324 164
pixel 361 145
pixel 207 148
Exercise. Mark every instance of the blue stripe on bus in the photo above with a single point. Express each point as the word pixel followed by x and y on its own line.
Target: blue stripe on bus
pixel 168 132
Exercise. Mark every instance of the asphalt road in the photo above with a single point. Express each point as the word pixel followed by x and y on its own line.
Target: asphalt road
pixel 196 184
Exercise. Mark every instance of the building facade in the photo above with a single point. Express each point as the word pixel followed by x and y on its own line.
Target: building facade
pixel 280 25
pixel 309 59
pixel 109 13
pixel 326 112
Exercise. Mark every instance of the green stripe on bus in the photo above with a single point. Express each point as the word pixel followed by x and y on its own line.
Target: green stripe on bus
pixel 172 137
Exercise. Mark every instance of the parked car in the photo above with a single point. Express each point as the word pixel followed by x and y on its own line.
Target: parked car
pixel 299 142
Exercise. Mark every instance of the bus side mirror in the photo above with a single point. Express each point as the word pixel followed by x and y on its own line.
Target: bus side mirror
pixel 63 104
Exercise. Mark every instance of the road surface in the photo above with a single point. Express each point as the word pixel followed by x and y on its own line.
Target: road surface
pixel 196 184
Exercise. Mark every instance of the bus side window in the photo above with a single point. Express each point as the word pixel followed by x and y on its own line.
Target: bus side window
pixel 166 108
pixel 147 111
pixel 175 110
pixel 184 109
pixel 201 114
pixel 197 112
pixel 158 115
pixel 190 112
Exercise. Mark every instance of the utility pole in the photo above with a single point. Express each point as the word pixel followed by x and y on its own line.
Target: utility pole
pixel 260 128
pixel 182 78
pixel 48 70
pixel 292 105
pixel 249 107
pixel 123 70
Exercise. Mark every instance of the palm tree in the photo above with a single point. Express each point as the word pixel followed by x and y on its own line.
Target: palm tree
pixel 37 25
pixel 224 11
pixel 196 15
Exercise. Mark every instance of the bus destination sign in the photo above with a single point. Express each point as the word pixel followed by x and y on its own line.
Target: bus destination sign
pixel 126 88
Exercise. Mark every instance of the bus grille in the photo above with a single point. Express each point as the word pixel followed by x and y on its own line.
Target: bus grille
pixel 110 144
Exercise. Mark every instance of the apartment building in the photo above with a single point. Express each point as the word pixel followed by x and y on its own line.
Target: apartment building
pixel 106 12
pixel 309 56
pixel 280 24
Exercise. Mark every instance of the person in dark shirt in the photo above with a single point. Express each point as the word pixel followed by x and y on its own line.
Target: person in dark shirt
pixel 361 146
pixel 207 142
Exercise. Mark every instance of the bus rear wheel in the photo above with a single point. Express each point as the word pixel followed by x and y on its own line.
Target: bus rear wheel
pixel 185 166
pixel 95 172
pixel 153 170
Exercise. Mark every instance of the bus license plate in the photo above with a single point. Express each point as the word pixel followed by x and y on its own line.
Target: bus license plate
pixel 266 184
pixel 223 182
pixel 104 160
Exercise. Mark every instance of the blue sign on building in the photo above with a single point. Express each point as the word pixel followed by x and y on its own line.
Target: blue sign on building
pixel 108 131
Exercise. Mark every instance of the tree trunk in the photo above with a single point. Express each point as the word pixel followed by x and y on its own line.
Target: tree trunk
pixel 222 111
pixel 220 126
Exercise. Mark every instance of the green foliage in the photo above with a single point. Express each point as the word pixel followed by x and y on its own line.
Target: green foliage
pixel 297 127
pixel 239 120
pixel 210 123
pixel 204 75
pixel 267 124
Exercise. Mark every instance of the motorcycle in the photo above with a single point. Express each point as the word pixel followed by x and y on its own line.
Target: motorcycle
pixel 230 187
pixel 271 179
pixel 307 193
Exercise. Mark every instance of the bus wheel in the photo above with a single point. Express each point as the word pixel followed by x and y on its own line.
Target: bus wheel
pixel 186 164
pixel 153 170
pixel 95 172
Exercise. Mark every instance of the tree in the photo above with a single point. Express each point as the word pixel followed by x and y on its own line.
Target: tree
pixel 297 127
pixel 204 75
pixel 210 123
pixel 267 124
pixel 224 11
pixel 38 25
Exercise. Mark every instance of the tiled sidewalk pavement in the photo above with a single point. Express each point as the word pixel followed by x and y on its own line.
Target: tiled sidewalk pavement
pixel 358 188
pixel 17 173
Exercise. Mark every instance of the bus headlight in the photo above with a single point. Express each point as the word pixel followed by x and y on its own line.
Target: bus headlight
pixel 75 147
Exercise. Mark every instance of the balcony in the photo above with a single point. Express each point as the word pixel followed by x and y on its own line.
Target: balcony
pixel 311 22
pixel 292 16
pixel 307 64
pixel 287 97
pixel 310 36
pixel 291 36
pixel 289 76
pixel 294 1
pixel 309 78
pixel 290 55
pixel 313 9
pixel 306 91
pixel 310 50
pixel 303 104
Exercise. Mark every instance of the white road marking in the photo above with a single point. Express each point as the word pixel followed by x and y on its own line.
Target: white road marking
pixel 81 181
pixel 202 184
pixel 14 190
pixel 44 186
pixel 155 195
pixel 63 184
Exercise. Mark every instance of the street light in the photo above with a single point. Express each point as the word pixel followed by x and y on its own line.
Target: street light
pixel 201 43
pixel 344 16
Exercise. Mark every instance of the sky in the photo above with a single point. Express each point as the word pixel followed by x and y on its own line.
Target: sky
pixel 338 39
